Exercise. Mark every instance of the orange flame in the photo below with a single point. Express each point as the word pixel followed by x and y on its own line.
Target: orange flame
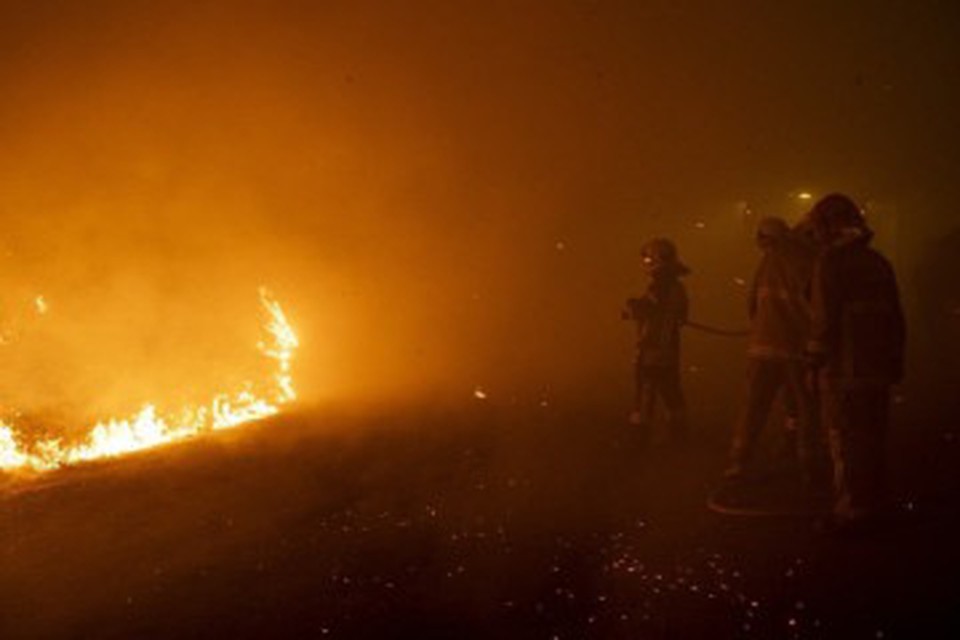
pixel 148 429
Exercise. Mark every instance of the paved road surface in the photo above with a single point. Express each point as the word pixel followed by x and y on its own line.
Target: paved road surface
pixel 480 522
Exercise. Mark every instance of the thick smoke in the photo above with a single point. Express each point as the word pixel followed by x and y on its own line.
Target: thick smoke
pixel 443 195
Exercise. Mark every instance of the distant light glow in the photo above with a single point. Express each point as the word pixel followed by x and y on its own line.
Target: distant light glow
pixel 479 393
pixel 805 195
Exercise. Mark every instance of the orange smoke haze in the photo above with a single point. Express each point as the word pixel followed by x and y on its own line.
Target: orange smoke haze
pixel 443 195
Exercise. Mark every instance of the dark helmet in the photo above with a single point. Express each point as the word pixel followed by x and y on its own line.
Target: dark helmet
pixel 660 256
pixel 834 215
pixel 771 230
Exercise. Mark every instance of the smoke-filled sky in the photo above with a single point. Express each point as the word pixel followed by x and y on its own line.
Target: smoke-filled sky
pixel 442 194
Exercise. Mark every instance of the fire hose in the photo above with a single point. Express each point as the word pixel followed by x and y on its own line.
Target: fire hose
pixel 727 333
pixel 699 326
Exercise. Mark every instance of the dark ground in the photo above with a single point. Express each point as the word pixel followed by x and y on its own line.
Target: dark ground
pixel 481 522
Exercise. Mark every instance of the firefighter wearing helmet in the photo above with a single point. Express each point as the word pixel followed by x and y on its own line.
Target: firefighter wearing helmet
pixel 855 352
pixel 659 314
pixel 780 322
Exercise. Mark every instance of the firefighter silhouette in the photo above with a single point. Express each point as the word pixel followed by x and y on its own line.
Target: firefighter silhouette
pixel 856 353
pixel 659 314
pixel 780 322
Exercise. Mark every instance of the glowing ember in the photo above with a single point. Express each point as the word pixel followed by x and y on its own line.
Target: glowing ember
pixel 148 429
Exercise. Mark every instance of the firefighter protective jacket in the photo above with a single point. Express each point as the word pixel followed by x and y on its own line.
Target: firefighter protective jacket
pixel 858 329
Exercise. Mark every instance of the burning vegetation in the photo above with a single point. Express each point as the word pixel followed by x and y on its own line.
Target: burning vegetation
pixel 153 426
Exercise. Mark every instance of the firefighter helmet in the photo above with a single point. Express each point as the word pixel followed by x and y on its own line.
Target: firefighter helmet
pixel 659 255
pixel 834 214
